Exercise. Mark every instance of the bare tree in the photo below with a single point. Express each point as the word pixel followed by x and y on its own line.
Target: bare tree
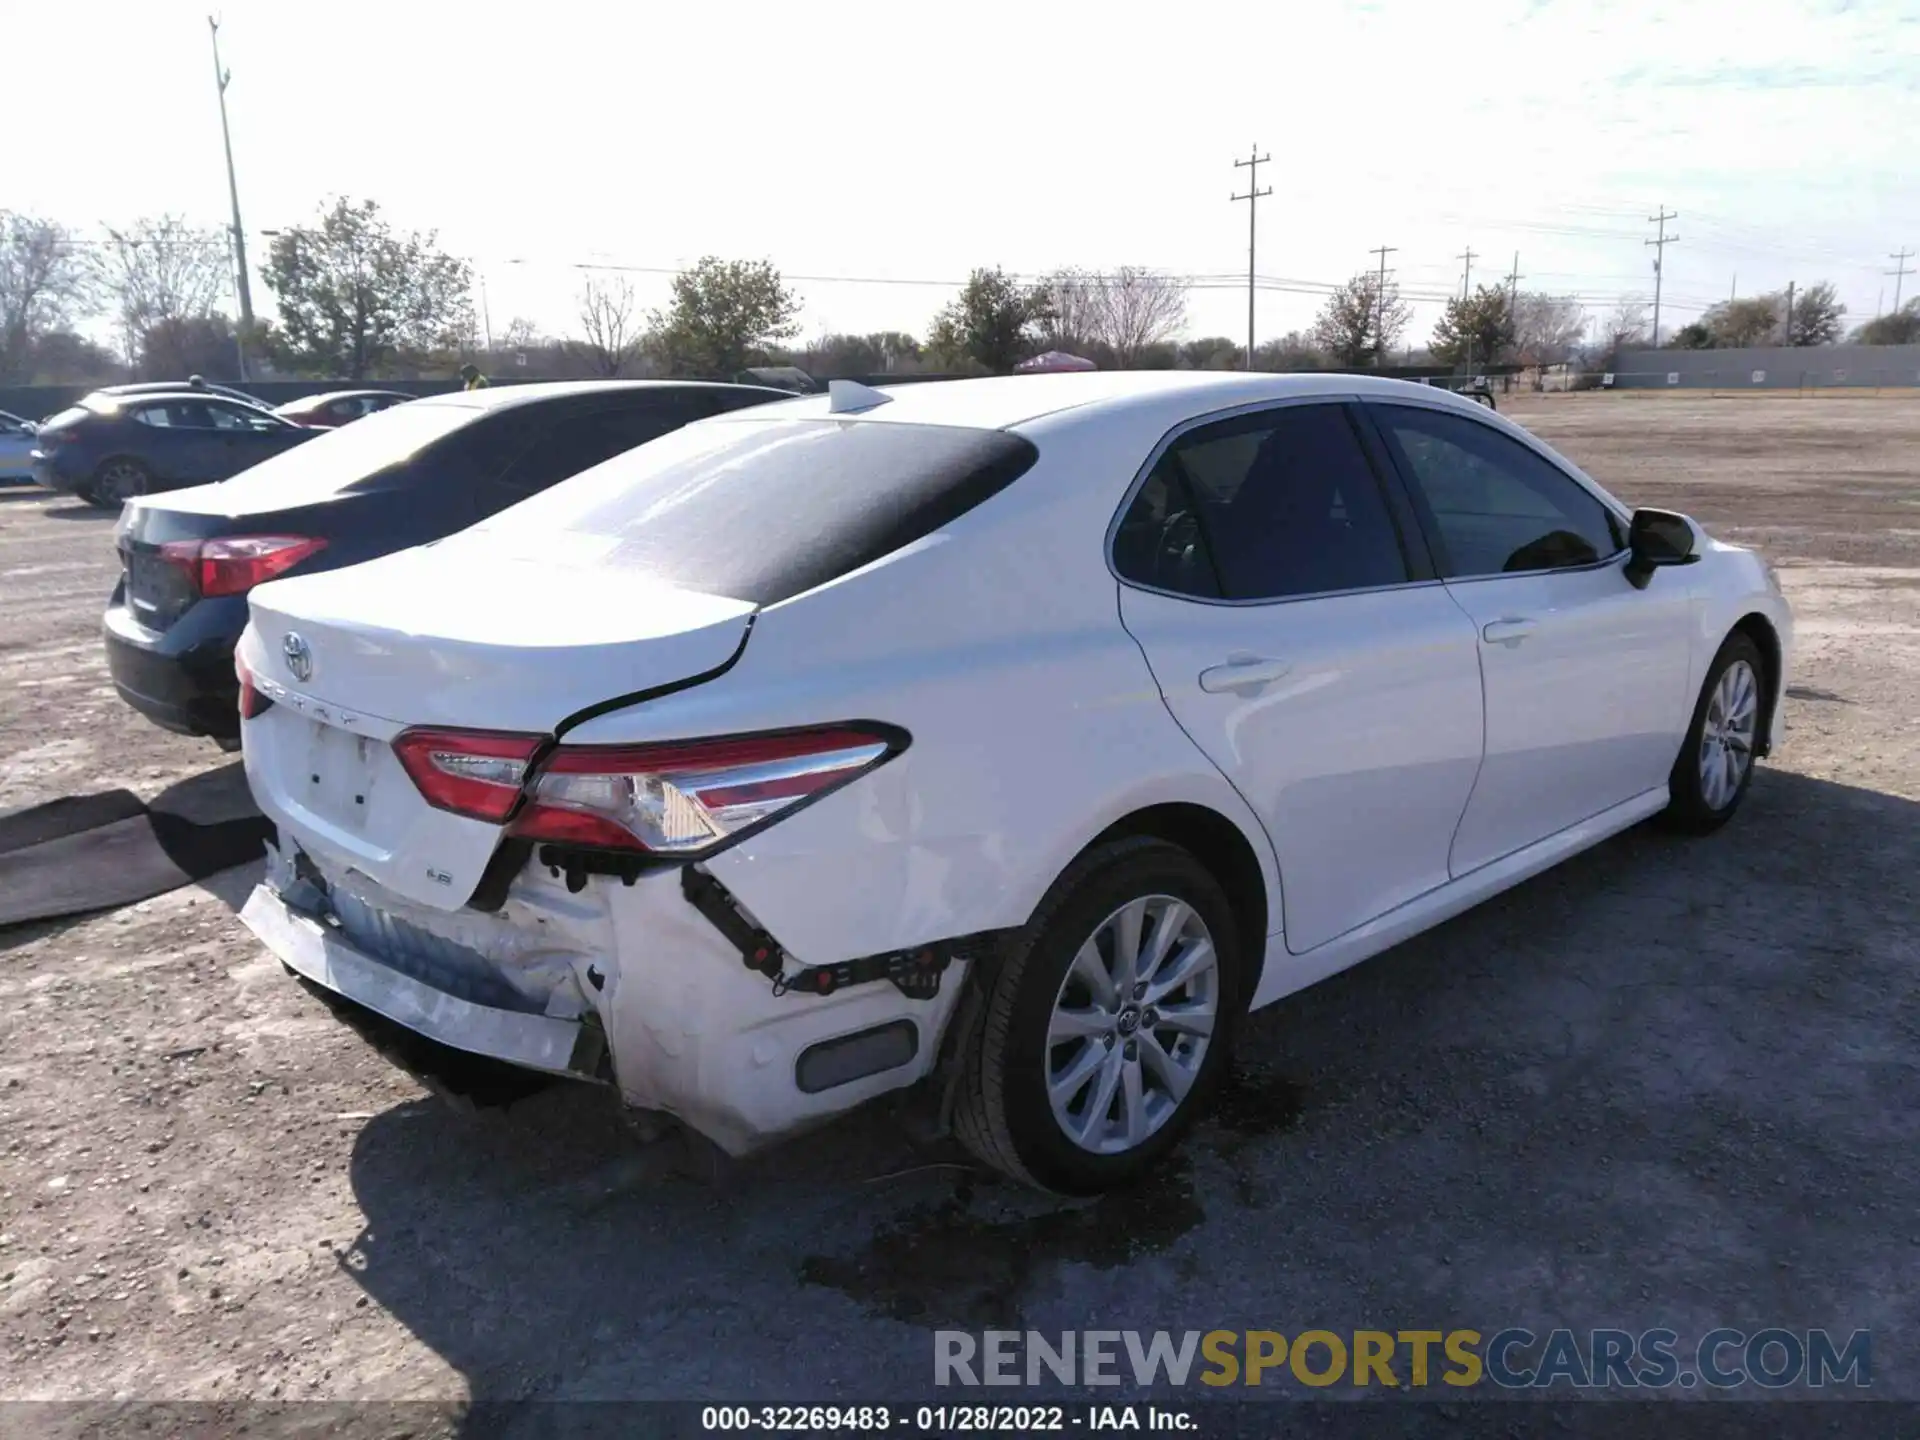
pixel 611 326
pixel 1547 329
pixel 1135 308
pixel 42 280
pixel 1624 326
pixel 1075 298
pixel 156 274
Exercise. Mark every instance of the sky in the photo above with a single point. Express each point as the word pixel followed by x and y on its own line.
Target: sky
pixel 877 153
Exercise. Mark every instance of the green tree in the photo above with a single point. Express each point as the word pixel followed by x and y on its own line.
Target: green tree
pixel 994 322
pixel 352 291
pixel 1899 327
pixel 1754 320
pixel 1694 336
pixel 1476 330
pixel 723 316
pixel 1818 316
pixel 1360 322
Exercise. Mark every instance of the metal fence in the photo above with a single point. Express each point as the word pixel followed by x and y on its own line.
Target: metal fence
pixel 1798 368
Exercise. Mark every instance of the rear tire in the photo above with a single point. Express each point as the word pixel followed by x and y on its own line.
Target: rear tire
pixel 116 482
pixel 1092 1062
pixel 1715 766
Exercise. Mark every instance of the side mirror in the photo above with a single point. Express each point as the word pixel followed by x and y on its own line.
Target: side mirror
pixel 1657 538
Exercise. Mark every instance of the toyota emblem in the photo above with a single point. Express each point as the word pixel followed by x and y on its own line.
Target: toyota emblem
pixel 299 658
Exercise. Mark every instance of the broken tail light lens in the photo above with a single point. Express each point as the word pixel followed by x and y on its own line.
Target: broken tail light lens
pixel 467 772
pixel 252 702
pixel 235 564
pixel 687 798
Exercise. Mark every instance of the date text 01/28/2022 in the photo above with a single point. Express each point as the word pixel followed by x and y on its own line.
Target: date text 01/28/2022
pixel 942 1419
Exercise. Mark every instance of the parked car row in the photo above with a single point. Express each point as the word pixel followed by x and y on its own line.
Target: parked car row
pixel 1013 736
pixel 408 475
pixel 16 447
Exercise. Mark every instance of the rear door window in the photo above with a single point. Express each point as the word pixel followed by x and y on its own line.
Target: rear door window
pixel 1263 506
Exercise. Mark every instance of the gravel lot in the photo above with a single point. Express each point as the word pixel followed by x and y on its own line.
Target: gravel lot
pixel 1671 1083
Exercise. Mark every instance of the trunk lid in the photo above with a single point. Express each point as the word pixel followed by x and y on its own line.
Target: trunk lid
pixel 477 634
pixel 468 634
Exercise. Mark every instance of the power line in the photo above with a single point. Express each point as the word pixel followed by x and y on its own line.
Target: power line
pixel 1659 253
pixel 1899 273
pixel 1251 165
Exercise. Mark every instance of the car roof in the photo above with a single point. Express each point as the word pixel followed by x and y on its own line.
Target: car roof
pixel 1006 401
pixel 501 397
pixel 169 387
pixel 326 395
pixel 146 397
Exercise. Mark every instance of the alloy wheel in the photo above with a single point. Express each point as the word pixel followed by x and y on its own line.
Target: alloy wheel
pixel 1131 1024
pixel 121 481
pixel 1726 735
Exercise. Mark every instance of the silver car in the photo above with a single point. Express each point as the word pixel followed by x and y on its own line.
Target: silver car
pixel 16 447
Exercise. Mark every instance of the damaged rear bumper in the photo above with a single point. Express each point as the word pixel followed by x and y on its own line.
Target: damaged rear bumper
pixel 536 1042
pixel 600 979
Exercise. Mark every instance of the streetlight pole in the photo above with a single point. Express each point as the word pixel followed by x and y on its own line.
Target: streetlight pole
pixel 244 286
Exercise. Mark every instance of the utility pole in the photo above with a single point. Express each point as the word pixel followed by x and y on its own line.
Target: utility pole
pixel 1254 195
pixel 1380 306
pixel 1514 277
pixel 244 286
pixel 1899 273
pixel 1659 254
pixel 1466 275
pixel 1787 324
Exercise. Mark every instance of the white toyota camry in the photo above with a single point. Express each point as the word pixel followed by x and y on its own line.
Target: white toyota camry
pixel 1016 734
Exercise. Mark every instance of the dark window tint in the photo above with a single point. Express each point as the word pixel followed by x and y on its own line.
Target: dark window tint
pixel 580 442
pixel 1494 505
pixel 1159 541
pixel 761 510
pixel 1284 502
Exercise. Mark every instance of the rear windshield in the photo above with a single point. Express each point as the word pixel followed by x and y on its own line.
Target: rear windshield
pixel 69 415
pixel 762 510
pixel 341 459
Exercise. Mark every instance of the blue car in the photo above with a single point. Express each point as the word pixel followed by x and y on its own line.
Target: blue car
pixel 110 448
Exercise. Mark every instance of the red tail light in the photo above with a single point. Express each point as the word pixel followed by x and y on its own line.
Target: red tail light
pixel 687 798
pixel 467 772
pixel 235 564
pixel 683 798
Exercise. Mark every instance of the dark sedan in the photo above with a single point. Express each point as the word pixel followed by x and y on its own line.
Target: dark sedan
pixel 339 407
pixel 111 448
pixel 403 477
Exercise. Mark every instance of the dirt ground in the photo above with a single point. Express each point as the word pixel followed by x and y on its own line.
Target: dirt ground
pixel 1671 1083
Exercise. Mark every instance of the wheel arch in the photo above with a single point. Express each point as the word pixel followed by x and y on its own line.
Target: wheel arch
pixel 1759 629
pixel 1223 847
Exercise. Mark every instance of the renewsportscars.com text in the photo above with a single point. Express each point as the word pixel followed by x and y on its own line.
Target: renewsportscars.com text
pixel 1512 1358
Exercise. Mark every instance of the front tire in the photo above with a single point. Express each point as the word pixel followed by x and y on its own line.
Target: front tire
pixel 1715 767
pixel 1108 1022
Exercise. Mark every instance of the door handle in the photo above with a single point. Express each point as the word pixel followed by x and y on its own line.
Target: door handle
pixel 1509 632
pixel 1242 674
